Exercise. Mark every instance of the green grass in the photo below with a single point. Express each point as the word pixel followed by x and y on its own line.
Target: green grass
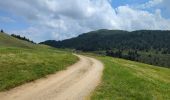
pixel 21 65
pixel 21 61
pixel 9 41
pixel 128 80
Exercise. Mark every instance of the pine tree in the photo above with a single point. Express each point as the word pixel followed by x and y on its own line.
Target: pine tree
pixel 2 31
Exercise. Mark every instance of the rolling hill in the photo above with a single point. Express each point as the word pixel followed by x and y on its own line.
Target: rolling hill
pixel 111 39
pixel 129 80
pixel 147 46
pixel 22 61
pixel 122 79
pixel 9 41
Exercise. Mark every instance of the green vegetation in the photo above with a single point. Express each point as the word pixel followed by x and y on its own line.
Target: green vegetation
pixel 117 39
pixel 9 41
pixel 128 80
pixel 22 38
pixel 150 57
pixel 21 61
pixel 148 46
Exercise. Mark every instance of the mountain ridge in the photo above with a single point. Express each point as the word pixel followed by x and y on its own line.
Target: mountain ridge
pixel 146 46
pixel 109 39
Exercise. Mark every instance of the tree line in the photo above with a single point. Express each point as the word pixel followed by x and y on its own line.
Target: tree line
pixel 148 46
pixel 22 38
pixel 130 55
pixel 19 37
pixel 143 40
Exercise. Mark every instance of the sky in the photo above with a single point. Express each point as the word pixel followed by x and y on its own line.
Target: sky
pixel 41 20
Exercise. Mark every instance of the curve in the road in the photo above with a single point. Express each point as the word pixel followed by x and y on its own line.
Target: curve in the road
pixel 75 83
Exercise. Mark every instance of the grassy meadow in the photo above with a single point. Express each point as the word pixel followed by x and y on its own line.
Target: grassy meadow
pixel 9 41
pixel 22 61
pixel 20 65
pixel 128 80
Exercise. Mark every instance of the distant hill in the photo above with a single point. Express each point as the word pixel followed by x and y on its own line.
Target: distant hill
pixel 110 39
pixel 9 41
pixel 147 46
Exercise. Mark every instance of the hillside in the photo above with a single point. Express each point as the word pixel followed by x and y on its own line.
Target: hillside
pixel 9 41
pixel 122 79
pixel 22 61
pixel 147 46
pixel 110 39
pixel 129 80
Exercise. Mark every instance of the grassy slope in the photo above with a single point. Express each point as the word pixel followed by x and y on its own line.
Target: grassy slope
pixel 9 41
pixel 127 80
pixel 21 61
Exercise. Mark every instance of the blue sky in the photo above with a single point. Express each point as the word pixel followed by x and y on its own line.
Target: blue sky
pixel 41 20
pixel 11 22
pixel 117 3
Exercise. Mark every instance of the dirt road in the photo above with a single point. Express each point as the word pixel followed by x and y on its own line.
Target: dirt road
pixel 74 83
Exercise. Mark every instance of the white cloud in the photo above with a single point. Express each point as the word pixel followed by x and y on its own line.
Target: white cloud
pixel 151 3
pixel 165 6
pixel 134 19
pixel 161 4
pixel 60 19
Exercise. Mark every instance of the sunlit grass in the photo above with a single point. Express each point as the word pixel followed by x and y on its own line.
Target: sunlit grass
pixel 20 65
pixel 128 80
